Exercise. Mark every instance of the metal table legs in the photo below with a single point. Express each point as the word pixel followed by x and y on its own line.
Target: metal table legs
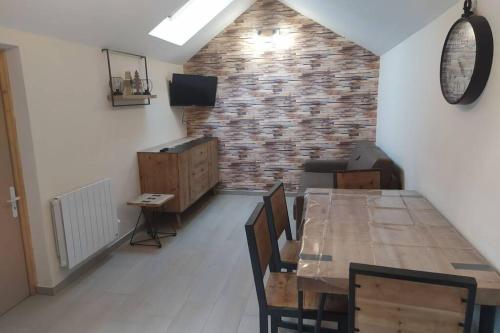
pixel 487 319
pixel 152 231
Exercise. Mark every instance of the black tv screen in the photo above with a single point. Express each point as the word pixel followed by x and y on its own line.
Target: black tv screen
pixel 188 90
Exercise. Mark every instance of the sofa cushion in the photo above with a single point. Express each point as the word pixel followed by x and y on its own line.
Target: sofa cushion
pixel 324 165
pixel 316 180
pixel 363 156
pixel 367 156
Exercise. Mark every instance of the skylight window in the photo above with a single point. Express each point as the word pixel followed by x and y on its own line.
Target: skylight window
pixel 188 20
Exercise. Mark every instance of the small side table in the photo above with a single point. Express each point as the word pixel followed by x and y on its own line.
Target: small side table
pixel 148 201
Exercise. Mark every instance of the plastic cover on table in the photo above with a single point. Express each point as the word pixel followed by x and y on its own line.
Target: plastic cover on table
pixel 380 227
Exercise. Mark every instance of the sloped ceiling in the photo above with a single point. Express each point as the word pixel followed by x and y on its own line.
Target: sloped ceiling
pixel 377 25
pixel 116 24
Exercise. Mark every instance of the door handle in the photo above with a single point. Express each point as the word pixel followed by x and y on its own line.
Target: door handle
pixel 13 201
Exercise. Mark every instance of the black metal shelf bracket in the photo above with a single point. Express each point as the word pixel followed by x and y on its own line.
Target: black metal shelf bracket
pixel 112 95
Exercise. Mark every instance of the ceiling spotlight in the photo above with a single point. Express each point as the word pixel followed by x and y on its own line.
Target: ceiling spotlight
pixel 268 32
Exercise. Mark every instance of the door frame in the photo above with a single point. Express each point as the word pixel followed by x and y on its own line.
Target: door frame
pixel 17 171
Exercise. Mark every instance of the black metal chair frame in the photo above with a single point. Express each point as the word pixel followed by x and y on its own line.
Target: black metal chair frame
pixel 278 264
pixel 264 310
pixel 341 320
pixel 412 276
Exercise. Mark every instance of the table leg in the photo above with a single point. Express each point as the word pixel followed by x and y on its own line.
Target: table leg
pixel 487 319
pixel 151 229
pixel 162 234
pixel 179 220
pixel 300 319
pixel 135 228
pixel 319 318
pixel 154 228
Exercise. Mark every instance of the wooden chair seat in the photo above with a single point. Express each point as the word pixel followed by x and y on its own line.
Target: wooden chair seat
pixel 281 292
pixel 290 252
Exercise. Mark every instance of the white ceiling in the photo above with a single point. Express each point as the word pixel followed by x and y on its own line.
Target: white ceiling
pixel 377 25
pixel 117 24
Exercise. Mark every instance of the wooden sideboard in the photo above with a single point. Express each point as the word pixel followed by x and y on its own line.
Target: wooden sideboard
pixel 187 170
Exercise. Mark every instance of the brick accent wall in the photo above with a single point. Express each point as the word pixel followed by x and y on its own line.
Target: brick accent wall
pixel 310 96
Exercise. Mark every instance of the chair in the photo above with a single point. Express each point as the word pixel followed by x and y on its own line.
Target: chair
pixel 358 179
pixel 390 300
pixel 279 222
pixel 279 297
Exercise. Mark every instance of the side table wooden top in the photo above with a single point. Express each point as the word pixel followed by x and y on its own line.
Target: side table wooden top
pixel 150 200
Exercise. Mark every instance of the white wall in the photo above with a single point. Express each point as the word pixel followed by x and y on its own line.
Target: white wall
pixel 70 135
pixel 451 154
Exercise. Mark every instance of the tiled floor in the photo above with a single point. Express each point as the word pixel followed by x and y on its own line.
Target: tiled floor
pixel 199 282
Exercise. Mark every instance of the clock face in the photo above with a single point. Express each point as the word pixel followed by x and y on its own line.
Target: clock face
pixel 458 61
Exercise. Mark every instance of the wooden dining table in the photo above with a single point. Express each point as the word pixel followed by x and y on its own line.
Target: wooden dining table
pixel 391 228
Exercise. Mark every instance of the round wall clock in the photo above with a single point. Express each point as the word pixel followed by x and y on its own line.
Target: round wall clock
pixel 467 58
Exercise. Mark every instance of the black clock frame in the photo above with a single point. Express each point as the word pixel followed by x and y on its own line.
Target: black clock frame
pixel 484 59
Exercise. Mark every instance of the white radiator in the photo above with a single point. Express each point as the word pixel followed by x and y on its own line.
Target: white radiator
pixel 84 222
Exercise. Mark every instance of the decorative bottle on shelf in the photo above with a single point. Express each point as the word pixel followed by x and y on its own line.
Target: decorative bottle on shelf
pixel 127 83
pixel 148 86
pixel 137 84
pixel 117 85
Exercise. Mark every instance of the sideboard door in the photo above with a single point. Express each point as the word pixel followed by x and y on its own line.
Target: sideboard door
pixel 213 163
pixel 198 176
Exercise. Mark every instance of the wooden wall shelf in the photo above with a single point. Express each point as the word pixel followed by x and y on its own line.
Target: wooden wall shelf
pixel 127 100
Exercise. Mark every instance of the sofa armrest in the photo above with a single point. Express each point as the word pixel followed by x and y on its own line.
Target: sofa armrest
pixel 326 166
pixel 358 179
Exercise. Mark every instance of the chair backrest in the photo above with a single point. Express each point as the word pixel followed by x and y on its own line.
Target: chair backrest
pixel 277 211
pixel 366 155
pixel 391 300
pixel 362 179
pixel 260 248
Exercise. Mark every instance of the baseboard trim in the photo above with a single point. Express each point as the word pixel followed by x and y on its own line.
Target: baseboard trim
pixel 250 192
pixel 83 268
pixel 91 262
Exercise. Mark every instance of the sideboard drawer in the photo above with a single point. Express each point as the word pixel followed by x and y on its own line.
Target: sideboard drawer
pixel 199 155
pixel 199 185
pixel 200 170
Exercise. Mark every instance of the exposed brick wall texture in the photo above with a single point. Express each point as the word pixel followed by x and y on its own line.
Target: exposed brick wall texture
pixel 279 106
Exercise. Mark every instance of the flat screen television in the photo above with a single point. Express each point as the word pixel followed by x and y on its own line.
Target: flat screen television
pixel 193 90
